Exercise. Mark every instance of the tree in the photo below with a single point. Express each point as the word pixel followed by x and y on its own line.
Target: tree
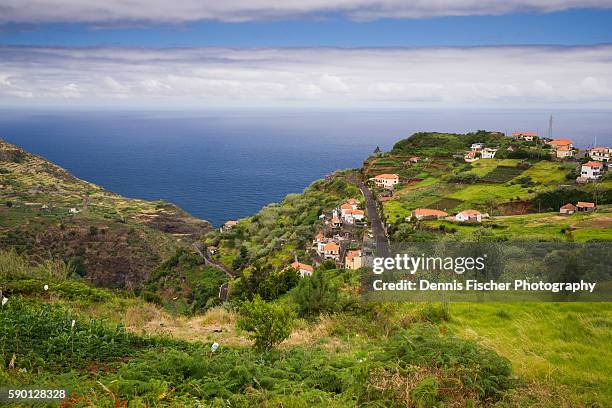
pixel 268 324
pixel 316 294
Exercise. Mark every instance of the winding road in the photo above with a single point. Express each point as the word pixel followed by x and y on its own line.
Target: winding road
pixel 197 246
pixel 382 243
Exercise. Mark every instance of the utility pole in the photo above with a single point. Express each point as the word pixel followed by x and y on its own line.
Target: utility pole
pixel 550 124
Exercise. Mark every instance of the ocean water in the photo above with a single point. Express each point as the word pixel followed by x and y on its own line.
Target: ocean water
pixel 227 165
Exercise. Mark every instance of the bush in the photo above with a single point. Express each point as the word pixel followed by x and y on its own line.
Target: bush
pixel 266 323
pixel 464 178
pixel 152 297
pixel 315 295
pixel 435 314
pixel 480 369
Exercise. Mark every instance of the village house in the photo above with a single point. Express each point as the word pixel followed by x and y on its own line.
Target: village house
pixel 353 259
pixel 302 268
pixel 336 222
pixel 563 152
pixel 469 216
pixel 600 154
pixel 331 250
pixel 471 157
pixel 387 181
pixel 414 159
pixel 352 216
pixel 527 136
pixel 476 147
pixel 568 208
pixel 212 249
pixel 591 170
pixel 354 202
pixel 228 225
pixel 557 143
pixel 73 211
pixel 585 206
pixel 427 214
pixel 488 153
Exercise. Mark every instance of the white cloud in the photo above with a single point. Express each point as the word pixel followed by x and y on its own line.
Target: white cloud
pixel 328 77
pixel 244 10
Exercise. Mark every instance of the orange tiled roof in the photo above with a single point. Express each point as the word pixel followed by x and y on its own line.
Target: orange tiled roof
pixel 568 206
pixel 429 211
pixel 602 148
pixel 585 204
pixel 346 207
pixel 352 201
pixel 592 164
pixel 470 212
pixel 332 246
pixel 525 134
pixel 387 176
pixel 352 254
pixel 560 142
pixel 355 212
pixel 298 265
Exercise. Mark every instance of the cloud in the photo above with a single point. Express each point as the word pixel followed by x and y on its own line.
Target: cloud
pixel 35 11
pixel 512 76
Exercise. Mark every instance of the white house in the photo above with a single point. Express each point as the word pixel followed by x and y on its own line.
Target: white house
pixel 387 181
pixel 601 154
pixel 353 259
pixel 591 170
pixel 528 136
pixel 350 216
pixel 228 225
pixel 488 153
pixel 585 206
pixel 302 268
pixel 428 214
pixel 568 208
pixel 471 157
pixel 469 216
pixel 73 211
pixel 336 222
pixel 331 250
pixel 476 147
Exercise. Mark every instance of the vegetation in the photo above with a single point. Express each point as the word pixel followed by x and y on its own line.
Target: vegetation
pixel 266 323
pixel 301 342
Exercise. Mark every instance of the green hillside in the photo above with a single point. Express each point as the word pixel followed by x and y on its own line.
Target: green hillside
pixel 520 182
pixel 111 240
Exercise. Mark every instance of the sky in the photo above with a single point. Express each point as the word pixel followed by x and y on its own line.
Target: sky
pixel 293 53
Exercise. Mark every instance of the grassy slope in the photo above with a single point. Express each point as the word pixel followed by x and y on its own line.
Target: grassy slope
pixel 115 240
pixel 566 345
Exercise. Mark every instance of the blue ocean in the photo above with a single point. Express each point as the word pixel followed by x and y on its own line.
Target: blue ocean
pixel 227 165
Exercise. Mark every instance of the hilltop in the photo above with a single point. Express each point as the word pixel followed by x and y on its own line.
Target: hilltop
pixel 47 213
pixel 521 188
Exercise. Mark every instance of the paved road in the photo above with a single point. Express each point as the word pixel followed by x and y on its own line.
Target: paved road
pixel 197 246
pixel 382 243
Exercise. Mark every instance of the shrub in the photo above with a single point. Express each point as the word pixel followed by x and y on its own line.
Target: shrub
pixel 480 369
pixel 152 297
pixel 266 323
pixel 464 178
pixel 425 393
pixel 435 314
pixel 315 295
